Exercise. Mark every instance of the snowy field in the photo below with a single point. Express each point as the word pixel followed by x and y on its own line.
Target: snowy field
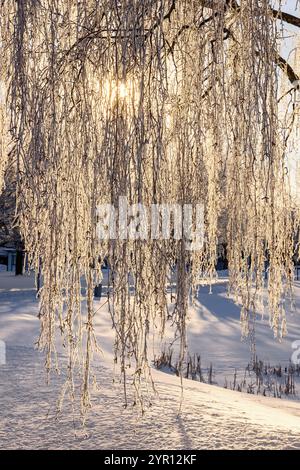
pixel 212 417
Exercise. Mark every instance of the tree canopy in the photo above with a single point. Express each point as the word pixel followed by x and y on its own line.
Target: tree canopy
pixel 159 101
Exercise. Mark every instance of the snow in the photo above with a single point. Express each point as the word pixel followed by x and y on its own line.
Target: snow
pixel 211 417
pixel 215 333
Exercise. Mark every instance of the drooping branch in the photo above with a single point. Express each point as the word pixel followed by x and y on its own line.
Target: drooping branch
pixel 167 16
pixel 288 70
pixel 287 17
pixel 105 33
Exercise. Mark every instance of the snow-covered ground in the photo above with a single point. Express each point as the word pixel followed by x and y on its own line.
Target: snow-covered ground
pixel 211 417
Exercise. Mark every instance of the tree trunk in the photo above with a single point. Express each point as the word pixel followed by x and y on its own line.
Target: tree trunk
pixel 19 263
pixel 98 291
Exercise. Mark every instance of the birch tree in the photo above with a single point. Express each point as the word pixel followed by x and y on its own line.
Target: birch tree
pixel 159 101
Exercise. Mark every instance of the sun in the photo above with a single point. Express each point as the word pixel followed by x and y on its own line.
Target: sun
pixel 115 90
